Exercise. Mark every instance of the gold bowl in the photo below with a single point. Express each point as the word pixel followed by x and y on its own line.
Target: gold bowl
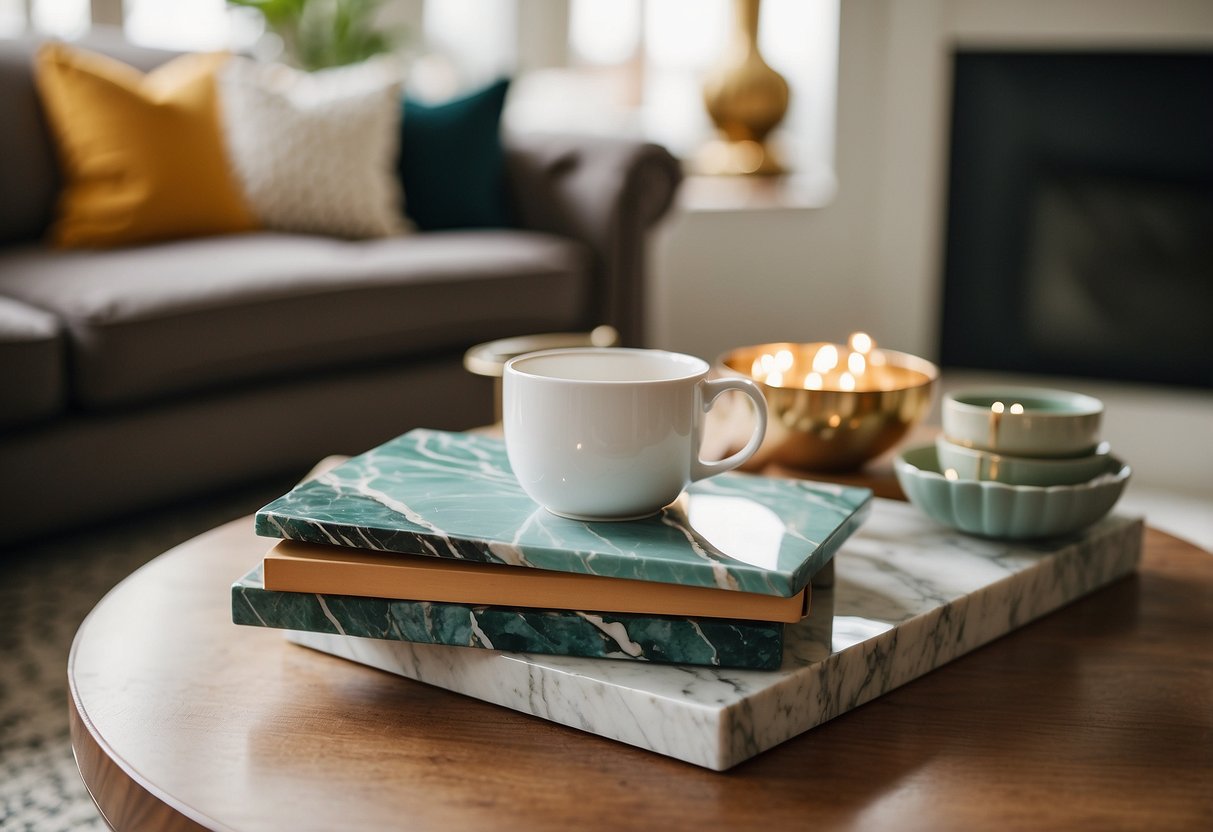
pixel 832 407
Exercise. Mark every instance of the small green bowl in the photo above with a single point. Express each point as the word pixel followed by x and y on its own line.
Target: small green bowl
pixel 972 464
pixel 1023 421
pixel 1008 512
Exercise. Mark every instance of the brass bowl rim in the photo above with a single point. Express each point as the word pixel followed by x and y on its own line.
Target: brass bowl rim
pixel 901 360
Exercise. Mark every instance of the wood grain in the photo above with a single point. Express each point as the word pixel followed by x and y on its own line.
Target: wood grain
pixel 1099 716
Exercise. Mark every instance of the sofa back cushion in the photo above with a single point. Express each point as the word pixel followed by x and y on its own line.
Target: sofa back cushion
pixel 316 152
pixel 142 155
pixel 29 171
pixel 452 163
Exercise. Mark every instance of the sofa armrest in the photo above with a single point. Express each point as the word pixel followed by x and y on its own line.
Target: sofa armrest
pixel 605 193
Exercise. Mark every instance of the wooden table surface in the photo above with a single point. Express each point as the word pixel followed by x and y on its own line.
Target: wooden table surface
pixel 1099 716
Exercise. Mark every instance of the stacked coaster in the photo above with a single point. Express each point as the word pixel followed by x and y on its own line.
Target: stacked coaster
pixel 430 539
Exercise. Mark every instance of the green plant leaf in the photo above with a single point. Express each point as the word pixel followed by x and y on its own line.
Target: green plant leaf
pixel 323 33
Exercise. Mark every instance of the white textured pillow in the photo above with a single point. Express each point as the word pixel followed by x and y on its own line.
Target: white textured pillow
pixel 316 152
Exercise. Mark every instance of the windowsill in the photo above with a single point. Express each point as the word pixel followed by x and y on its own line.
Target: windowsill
pixel 786 192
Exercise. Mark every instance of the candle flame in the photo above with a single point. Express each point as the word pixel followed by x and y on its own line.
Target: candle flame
pixel 1017 408
pixel 826 359
pixel 997 407
pixel 861 342
pixel 857 364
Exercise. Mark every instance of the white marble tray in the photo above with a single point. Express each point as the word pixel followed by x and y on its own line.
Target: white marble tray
pixel 909 596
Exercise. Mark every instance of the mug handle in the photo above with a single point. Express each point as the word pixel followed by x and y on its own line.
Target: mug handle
pixel 710 390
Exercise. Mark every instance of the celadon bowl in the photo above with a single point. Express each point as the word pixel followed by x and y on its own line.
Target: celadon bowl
pixel 1009 512
pixel 1023 421
pixel 972 464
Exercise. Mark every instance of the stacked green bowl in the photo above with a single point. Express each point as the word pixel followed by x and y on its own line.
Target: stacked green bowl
pixel 1015 463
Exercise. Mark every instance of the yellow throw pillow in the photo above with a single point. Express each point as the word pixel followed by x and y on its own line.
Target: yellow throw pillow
pixel 143 156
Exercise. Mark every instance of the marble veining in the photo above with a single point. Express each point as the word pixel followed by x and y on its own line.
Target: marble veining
pixel 453 495
pixel 909 596
pixel 647 638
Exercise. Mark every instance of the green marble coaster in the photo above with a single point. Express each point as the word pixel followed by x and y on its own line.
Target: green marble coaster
pixel 453 495
pixel 755 645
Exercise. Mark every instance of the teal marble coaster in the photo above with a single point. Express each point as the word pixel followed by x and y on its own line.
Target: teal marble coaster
pixel 453 495
pixel 755 645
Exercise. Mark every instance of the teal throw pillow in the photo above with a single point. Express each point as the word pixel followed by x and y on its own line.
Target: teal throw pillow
pixel 452 165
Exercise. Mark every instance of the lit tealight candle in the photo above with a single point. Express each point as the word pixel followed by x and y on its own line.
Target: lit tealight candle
pixel 857 364
pixel 826 359
pixel 857 367
pixel 861 342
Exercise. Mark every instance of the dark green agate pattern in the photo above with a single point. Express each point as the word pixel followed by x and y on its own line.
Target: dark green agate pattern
pixel 755 645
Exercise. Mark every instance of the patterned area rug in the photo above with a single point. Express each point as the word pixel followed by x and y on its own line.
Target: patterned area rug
pixel 46 590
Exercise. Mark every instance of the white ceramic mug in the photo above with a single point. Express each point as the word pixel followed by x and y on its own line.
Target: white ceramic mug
pixel 613 434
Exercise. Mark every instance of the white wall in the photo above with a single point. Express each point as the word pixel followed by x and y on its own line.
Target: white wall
pixel 871 259
pixel 726 278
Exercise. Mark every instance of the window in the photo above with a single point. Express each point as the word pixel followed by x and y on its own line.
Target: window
pixel 61 18
pixel 192 25
pixel 12 17
pixel 660 50
pixel 634 67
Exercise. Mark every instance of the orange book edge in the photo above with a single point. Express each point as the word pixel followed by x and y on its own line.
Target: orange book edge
pixel 294 566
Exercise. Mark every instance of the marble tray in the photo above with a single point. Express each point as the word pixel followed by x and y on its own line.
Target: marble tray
pixel 909 596
pixel 453 495
pixel 713 642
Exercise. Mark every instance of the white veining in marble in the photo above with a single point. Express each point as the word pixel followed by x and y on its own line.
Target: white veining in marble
pixel 452 495
pixel 909 596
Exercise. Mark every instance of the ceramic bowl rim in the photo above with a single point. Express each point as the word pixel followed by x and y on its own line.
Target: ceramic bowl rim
pixel 1056 463
pixel 1085 406
pixel 1118 471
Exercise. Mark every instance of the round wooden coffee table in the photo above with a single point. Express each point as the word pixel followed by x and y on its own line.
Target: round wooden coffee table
pixel 1099 716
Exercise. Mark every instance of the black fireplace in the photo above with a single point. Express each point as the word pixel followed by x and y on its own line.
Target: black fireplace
pixel 1080 216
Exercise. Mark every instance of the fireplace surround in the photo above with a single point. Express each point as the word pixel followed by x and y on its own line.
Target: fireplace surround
pixel 1079 225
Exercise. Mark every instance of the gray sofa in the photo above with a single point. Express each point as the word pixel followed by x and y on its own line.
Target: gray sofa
pixel 137 376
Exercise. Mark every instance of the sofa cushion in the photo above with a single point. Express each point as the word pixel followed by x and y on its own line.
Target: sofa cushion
pixel 142 155
pixel 31 364
pixel 452 163
pixel 316 152
pixel 151 321
pixel 29 174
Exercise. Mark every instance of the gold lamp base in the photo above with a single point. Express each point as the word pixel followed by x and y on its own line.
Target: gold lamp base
pixel 746 100
pixel 737 158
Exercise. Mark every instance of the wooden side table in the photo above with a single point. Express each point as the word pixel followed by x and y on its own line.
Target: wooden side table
pixel 1099 716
